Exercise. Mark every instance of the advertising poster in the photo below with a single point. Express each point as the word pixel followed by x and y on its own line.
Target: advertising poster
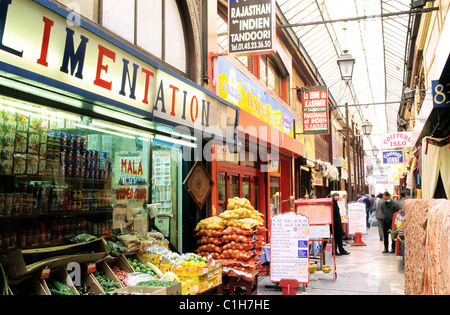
pixel 315 110
pixel 356 212
pixel 241 91
pixel 289 250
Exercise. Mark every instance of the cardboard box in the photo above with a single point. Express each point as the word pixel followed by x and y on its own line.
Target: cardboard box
pixel 175 289
pixel 179 270
pixel 19 263
pixel 61 275
pixel 142 290
pixel 120 262
pixel 103 266
pixel 30 282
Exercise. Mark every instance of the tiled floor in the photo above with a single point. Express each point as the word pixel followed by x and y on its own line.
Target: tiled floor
pixel 366 271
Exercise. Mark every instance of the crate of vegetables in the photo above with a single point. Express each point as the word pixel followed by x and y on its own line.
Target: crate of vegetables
pixel 59 283
pixel 29 285
pixel 106 278
pixel 170 287
pixel 121 267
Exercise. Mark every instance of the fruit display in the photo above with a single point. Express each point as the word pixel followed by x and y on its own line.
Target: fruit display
pixel 148 267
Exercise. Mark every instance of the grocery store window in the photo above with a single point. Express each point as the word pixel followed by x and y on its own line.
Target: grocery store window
pixel 64 174
pixel 166 182
pixel 156 26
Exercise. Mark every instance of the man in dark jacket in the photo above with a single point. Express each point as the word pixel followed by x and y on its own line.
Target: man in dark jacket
pixel 388 208
pixel 338 229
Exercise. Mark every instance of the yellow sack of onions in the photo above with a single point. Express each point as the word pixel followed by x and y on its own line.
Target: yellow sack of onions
pixel 213 223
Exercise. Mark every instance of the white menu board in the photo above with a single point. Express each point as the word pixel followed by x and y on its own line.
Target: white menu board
pixel 289 251
pixel 356 217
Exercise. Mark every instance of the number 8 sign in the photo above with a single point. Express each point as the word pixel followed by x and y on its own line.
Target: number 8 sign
pixel 441 94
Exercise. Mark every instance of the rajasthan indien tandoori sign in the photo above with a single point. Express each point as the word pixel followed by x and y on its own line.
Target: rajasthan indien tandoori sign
pixel 39 42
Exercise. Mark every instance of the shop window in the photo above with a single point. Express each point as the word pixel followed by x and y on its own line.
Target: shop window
pixel 156 26
pixel 274 195
pixel 222 192
pixel 246 187
pixel 222 40
pixel 271 76
pixel 166 178
pixel 86 8
pixel 94 172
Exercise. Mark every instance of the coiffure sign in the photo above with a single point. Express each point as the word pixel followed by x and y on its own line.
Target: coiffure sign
pixel 39 41
pixel 397 140
pixel 393 157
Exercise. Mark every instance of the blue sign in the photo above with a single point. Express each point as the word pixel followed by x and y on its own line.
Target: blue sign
pixel 302 243
pixel 441 94
pixel 393 157
pixel 303 253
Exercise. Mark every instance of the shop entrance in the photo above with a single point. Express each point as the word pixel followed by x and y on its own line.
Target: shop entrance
pixel 239 181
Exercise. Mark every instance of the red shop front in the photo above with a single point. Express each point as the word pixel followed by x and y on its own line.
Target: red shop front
pixel 259 170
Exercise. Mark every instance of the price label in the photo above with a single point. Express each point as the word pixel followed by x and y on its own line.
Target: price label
pixel 91 268
pixel 45 273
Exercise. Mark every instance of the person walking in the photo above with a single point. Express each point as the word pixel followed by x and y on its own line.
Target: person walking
pixel 379 215
pixel 389 207
pixel 338 229
pixel 363 198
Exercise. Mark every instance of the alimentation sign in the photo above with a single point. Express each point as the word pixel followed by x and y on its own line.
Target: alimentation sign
pixel 251 26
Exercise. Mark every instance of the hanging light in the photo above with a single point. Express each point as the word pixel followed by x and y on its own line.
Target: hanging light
pixel 375 152
pixel 367 128
pixel 346 63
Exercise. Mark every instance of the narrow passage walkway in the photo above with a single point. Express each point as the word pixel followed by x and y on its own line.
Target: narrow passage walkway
pixel 366 271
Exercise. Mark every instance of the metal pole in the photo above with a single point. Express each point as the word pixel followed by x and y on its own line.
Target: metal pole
pixel 364 17
pixel 349 171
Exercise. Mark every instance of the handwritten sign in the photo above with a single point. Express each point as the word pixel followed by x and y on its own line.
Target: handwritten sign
pixel 357 217
pixel 289 251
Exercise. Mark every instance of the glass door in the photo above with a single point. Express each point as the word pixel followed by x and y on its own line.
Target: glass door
pixel 234 186
pixel 246 187
pixel 274 195
pixel 255 199
pixel 222 191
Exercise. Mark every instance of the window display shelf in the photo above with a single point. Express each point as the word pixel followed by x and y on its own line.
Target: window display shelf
pixel 55 214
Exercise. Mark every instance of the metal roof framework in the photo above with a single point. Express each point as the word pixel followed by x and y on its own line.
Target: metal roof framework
pixel 378 44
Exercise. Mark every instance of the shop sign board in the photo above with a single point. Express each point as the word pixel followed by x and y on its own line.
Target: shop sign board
pixel 315 110
pixel 356 212
pixel 240 90
pixel 441 94
pixel 393 157
pixel 251 26
pixel 40 42
pixel 397 140
pixel 289 249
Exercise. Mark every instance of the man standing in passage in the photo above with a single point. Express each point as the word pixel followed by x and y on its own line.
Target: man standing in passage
pixel 365 199
pixel 338 229
pixel 388 208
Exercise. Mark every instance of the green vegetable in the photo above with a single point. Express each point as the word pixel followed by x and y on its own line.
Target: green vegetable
pixel 59 288
pixel 107 284
pixel 156 283
pixel 5 281
pixel 154 269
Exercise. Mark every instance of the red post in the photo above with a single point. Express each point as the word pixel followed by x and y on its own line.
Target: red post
pixel 289 286
pixel 358 240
